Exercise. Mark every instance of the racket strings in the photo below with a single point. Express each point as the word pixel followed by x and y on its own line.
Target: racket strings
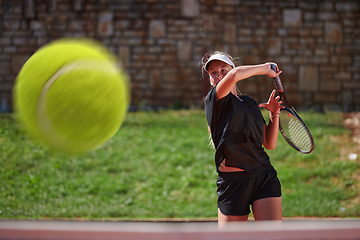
pixel 296 132
pixel 299 135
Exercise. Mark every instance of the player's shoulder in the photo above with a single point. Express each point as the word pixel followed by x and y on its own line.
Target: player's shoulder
pixel 247 98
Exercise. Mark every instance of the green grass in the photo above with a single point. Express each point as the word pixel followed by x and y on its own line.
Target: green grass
pixel 159 165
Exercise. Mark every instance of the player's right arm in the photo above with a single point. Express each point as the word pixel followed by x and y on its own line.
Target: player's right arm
pixel 239 73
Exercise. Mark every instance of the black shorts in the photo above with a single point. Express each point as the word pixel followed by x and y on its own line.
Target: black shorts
pixel 238 190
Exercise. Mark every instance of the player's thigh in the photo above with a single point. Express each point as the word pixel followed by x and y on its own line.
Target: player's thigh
pixel 268 208
pixel 223 219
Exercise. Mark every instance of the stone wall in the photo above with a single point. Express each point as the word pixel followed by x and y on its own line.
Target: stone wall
pixel 160 42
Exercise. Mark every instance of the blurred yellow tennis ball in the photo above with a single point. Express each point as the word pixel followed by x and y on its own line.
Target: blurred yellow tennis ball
pixel 72 95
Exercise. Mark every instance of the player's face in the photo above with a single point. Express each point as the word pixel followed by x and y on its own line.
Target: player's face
pixel 217 71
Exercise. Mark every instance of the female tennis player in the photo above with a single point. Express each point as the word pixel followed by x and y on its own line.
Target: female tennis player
pixel 239 133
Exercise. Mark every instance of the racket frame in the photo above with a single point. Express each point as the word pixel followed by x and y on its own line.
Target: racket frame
pixel 296 115
pixel 291 109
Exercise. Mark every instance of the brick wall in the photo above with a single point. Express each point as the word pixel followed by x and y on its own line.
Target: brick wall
pixel 160 42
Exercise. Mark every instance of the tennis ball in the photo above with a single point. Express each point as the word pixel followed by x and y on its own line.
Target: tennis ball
pixel 72 95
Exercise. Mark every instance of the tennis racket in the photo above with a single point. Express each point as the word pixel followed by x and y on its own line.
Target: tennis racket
pixel 291 126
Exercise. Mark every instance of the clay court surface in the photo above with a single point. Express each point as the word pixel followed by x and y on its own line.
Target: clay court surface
pixel 288 229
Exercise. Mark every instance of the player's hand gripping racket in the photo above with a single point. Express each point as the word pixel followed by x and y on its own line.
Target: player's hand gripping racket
pixel 292 127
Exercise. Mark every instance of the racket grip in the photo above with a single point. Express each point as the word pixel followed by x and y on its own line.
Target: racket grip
pixel 277 81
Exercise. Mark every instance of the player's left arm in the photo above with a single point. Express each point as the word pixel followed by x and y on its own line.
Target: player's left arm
pixel 272 129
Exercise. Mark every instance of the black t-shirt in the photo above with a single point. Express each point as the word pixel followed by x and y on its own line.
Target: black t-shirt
pixel 237 129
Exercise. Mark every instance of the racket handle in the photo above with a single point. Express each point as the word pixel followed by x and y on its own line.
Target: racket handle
pixel 277 81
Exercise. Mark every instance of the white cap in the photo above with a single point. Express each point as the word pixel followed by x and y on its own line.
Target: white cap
pixel 219 57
